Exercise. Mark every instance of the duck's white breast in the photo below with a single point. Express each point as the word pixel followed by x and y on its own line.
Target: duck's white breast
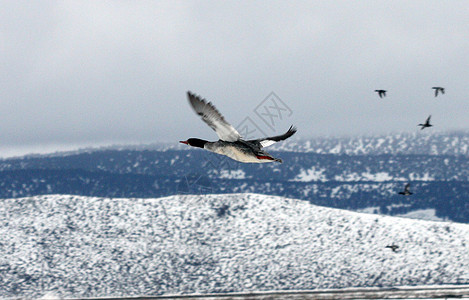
pixel 235 153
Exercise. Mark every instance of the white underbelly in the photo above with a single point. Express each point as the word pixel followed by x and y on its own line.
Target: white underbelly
pixel 236 154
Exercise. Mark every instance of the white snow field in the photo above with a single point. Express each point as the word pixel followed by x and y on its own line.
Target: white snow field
pixel 74 246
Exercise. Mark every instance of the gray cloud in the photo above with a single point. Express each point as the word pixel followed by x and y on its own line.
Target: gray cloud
pixel 94 72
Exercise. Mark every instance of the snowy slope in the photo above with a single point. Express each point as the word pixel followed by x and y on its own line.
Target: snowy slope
pixel 432 143
pixel 75 246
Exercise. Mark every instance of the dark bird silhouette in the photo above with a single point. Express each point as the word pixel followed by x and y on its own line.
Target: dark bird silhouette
pixel 426 124
pixel 230 142
pixel 438 89
pixel 393 247
pixel 406 191
pixel 381 93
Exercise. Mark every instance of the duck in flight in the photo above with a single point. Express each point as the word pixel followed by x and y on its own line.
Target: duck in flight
pixel 230 142
pixel 381 93
pixel 426 124
pixel 406 191
pixel 393 247
pixel 438 89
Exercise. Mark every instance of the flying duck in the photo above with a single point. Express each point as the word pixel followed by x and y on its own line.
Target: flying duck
pixel 438 89
pixel 406 191
pixel 426 124
pixel 393 247
pixel 230 142
pixel 381 93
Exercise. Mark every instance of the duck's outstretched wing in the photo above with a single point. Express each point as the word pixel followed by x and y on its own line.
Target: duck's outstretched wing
pixel 428 119
pixel 213 118
pixel 407 187
pixel 268 141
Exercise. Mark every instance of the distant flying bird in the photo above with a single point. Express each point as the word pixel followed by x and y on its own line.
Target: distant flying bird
pixel 438 89
pixel 426 124
pixel 393 247
pixel 406 191
pixel 231 143
pixel 381 93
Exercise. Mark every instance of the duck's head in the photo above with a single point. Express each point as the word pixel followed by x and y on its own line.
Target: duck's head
pixel 195 142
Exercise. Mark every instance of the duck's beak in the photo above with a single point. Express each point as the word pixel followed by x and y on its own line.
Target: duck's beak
pixel 184 142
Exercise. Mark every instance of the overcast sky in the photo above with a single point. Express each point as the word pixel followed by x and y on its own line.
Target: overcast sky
pixel 117 72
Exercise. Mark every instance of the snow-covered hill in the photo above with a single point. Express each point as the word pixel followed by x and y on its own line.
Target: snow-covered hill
pixel 75 246
pixel 430 142
pixel 359 173
pixel 433 143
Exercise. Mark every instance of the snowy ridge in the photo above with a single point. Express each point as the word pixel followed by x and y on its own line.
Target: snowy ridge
pixel 433 143
pixel 438 143
pixel 354 182
pixel 74 246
